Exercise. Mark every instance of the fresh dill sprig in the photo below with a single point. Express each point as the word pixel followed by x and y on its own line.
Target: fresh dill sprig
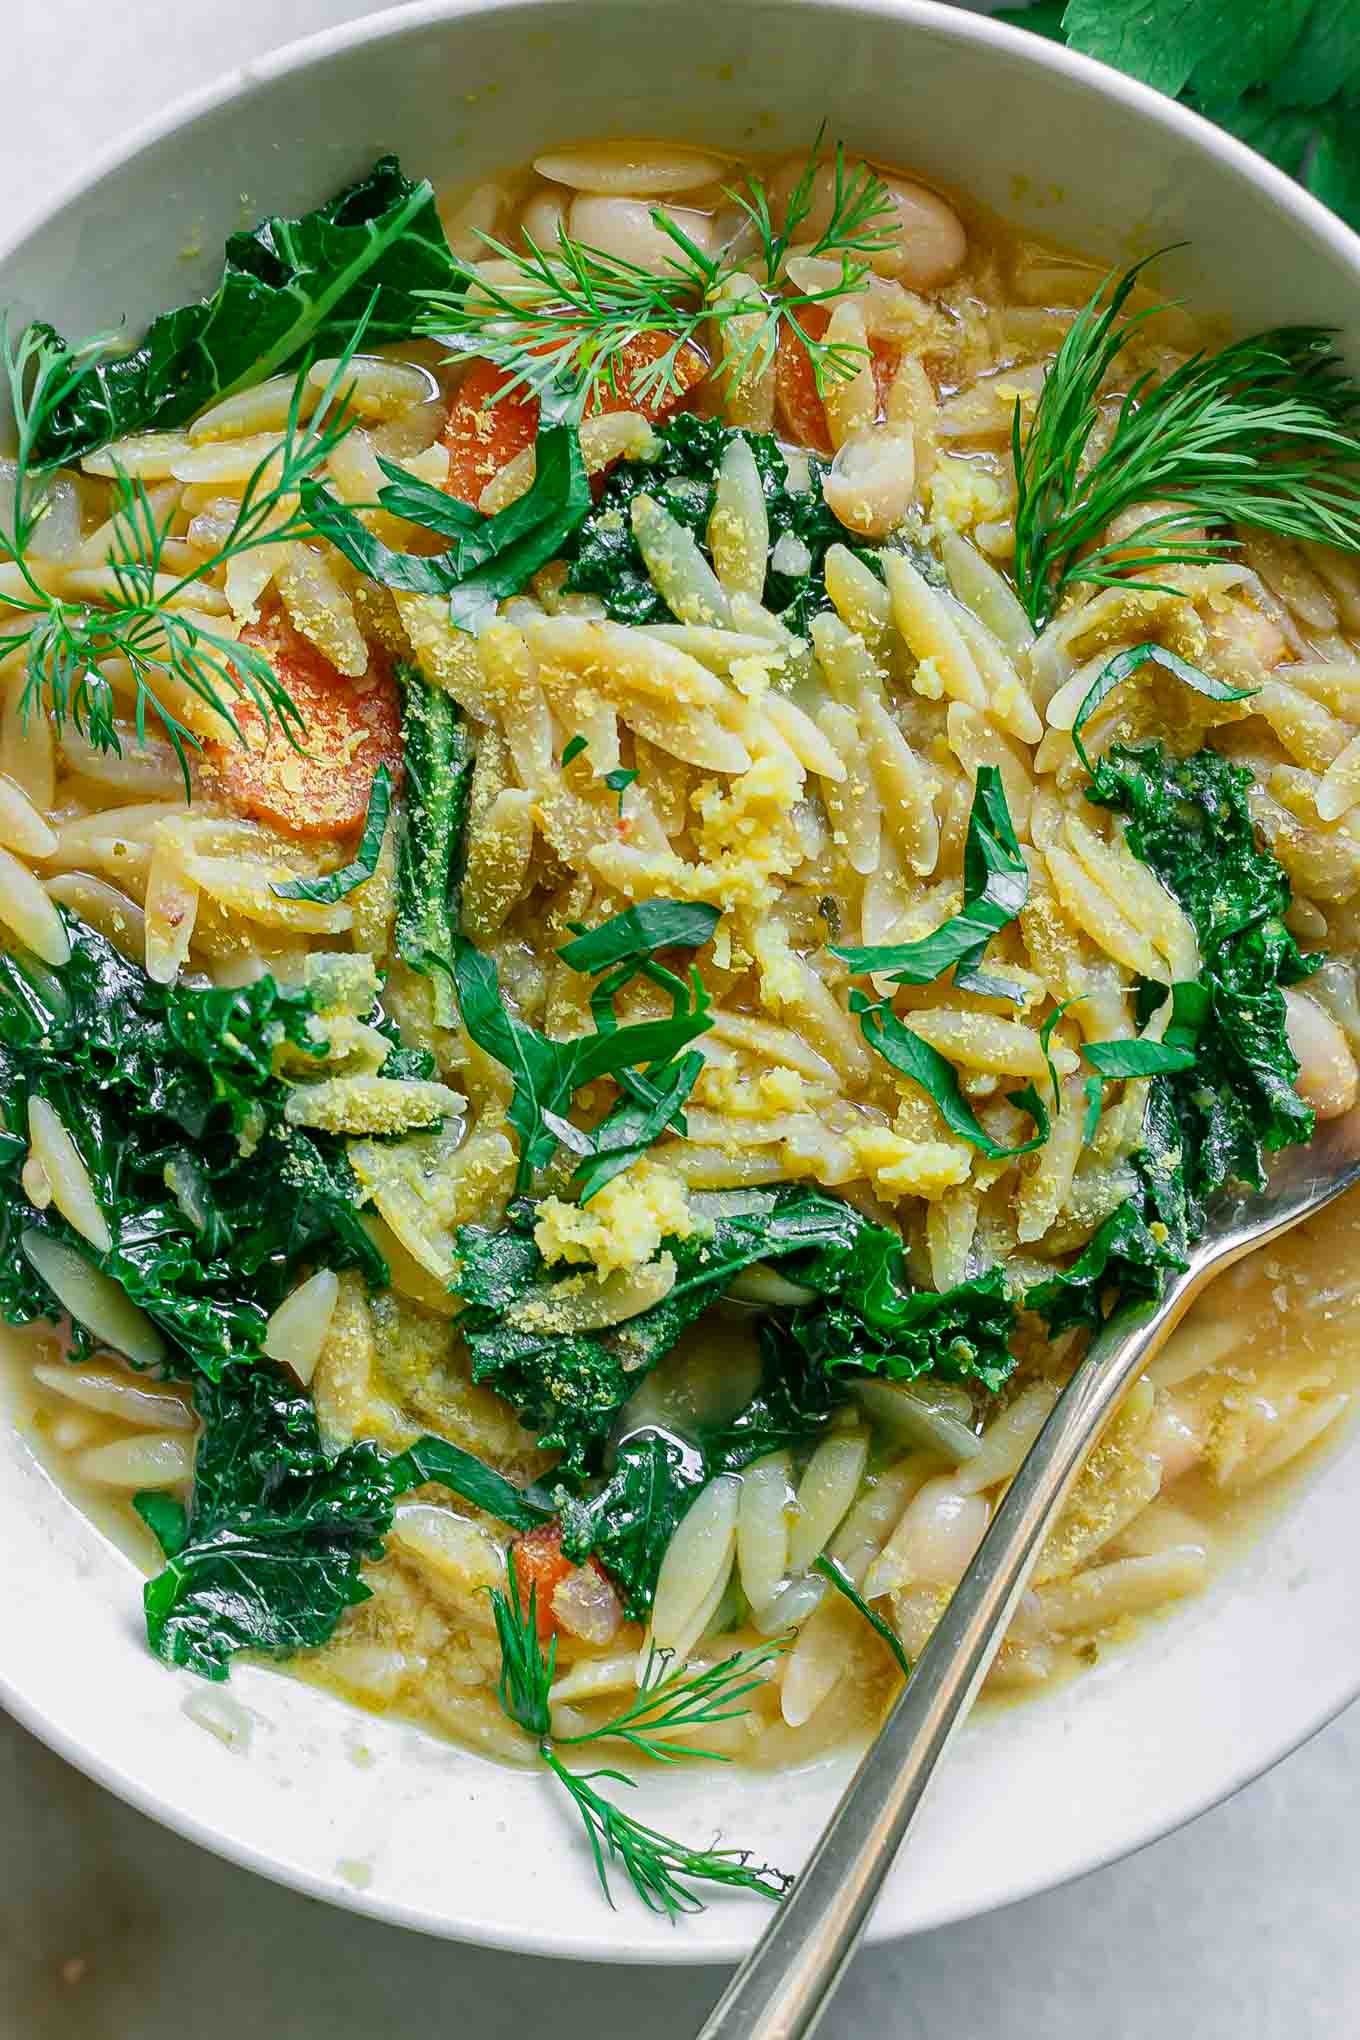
pixel 570 313
pixel 655 1865
pixel 147 618
pixel 660 1869
pixel 1263 434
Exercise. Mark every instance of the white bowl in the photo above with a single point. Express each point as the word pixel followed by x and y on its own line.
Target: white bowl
pixel 371 1814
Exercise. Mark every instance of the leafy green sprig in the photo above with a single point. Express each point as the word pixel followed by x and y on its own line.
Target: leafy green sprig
pixel 167 646
pixel 646 1059
pixel 669 1700
pixel 569 314
pixel 1263 434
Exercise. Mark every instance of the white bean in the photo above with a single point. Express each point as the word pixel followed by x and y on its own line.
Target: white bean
pixel 870 482
pixel 1327 1078
pixel 624 227
pixel 544 216
pixel 637 169
pixel 927 241
pixel 940 1530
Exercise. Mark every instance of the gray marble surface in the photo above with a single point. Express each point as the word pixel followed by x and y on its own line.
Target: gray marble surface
pixel 1242 1927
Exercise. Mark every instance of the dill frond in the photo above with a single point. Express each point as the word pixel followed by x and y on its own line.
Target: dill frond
pixel 148 618
pixel 568 315
pixel 660 1869
pixel 1264 434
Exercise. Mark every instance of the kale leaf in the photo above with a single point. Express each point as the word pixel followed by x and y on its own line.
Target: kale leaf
pixel 656 1474
pixel 290 286
pixel 491 556
pixel 437 765
pixel 604 556
pixel 170 1095
pixel 269 1555
pixel 571 1386
pixel 1146 1237
pixel 1190 824
pixel 1213 1122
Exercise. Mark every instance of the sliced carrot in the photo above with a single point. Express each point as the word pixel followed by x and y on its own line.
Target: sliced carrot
pixel 540 1569
pixel 483 436
pixel 350 727
pixel 801 410
pixel 484 432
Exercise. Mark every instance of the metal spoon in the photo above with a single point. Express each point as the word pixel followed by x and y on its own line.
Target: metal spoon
pixel 786 1981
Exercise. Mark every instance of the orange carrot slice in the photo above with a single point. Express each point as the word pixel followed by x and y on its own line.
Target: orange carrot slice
pixel 350 728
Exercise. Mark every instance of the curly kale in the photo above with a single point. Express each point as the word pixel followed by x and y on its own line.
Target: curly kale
pixel 170 1095
pixel 604 556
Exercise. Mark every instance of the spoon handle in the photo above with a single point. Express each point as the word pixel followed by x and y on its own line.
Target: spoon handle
pixel 784 1984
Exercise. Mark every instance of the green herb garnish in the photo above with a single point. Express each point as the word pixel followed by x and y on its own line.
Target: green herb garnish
pixel 570 312
pixel 995 888
pixel 645 1059
pixel 1125 664
pixel 842 1582
pixel 1264 434
pixel 661 1871
pixel 141 620
pixel 490 557
pixel 337 885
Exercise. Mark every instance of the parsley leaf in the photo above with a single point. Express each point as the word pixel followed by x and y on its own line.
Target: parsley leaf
pixel 995 888
pixel 491 557
pixel 336 885
pixel 547 1074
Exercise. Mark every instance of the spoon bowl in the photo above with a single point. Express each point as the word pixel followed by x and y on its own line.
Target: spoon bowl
pixel 783 1986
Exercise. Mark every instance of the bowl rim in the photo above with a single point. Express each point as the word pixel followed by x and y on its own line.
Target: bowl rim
pixel 943 19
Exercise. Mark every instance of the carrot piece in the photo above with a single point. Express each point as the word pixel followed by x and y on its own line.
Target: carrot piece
pixel 350 727
pixel 483 433
pixel 482 436
pixel 540 1569
pixel 800 408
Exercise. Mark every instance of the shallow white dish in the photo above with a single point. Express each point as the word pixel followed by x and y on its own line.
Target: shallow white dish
pixel 371 1814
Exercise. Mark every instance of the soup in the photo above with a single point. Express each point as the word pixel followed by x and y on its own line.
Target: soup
pixel 660 832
